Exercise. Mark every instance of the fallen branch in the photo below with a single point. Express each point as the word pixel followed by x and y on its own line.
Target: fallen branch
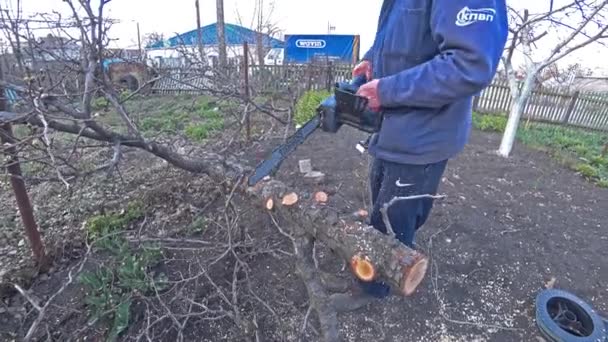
pixel 319 299
pixel 387 205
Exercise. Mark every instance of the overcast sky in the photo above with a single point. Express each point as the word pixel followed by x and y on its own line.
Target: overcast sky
pixel 310 16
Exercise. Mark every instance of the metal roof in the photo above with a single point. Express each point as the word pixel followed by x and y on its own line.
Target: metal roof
pixel 235 35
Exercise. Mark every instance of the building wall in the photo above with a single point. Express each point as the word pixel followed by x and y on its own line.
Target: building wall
pixel 175 56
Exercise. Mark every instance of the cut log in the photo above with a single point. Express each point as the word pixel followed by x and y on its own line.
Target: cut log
pixel 362 268
pixel 321 197
pixel 290 199
pixel 269 204
pixel 385 256
pixel 361 214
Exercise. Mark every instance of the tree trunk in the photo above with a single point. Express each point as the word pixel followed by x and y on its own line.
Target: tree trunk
pixel 221 36
pixel 199 33
pixel 260 48
pixel 259 37
pixel 517 110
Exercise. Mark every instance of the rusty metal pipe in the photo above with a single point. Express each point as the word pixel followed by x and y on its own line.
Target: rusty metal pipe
pixel 23 201
pixel 21 196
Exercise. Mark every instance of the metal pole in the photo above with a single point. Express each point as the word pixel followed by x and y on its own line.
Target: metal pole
pixel 21 196
pixel 139 44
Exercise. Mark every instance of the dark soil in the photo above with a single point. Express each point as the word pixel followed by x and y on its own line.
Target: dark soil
pixel 506 228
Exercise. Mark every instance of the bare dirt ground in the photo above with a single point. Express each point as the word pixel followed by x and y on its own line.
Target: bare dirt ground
pixel 506 228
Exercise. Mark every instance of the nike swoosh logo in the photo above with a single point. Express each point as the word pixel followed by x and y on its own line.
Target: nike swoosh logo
pixel 402 185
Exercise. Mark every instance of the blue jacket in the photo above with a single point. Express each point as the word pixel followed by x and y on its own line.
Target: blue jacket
pixel 431 57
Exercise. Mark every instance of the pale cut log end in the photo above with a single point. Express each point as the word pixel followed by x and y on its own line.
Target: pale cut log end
pixel 362 268
pixel 361 213
pixel 290 199
pixel 321 197
pixel 413 275
pixel 269 204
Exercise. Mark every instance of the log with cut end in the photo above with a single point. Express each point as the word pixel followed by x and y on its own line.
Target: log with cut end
pixel 321 197
pixel 371 254
pixel 361 214
pixel 362 267
pixel 375 255
pixel 290 199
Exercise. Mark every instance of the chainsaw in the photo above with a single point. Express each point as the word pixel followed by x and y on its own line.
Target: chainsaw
pixel 344 107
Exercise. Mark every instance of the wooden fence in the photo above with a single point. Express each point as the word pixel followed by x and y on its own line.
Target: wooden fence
pixel 262 79
pixel 553 105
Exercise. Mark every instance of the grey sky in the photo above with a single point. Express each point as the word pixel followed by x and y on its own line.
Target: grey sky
pixel 310 16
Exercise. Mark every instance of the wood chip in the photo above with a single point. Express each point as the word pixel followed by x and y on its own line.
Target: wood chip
pixel 321 197
pixel 290 199
pixel 269 204
pixel 361 213
pixel 305 166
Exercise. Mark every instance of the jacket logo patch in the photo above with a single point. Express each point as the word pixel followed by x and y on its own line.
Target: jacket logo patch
pixel 468 16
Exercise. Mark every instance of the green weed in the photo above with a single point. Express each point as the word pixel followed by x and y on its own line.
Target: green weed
pixel 493 123
pixel 109 223
pixel 212 121
pixel 307 104
pixel 196 119
pixel 202 131
pixel 198 225
pixel 576 148
pixel 167 122
pixel 110 287
pixel 588 171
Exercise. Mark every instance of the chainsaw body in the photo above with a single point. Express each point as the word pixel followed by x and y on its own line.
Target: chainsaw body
pixel 344 107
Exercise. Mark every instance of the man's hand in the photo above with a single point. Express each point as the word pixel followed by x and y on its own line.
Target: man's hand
pixel 363 68
pixel 370 91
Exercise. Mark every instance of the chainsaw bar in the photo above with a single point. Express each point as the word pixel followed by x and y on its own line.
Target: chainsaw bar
pixel 270 165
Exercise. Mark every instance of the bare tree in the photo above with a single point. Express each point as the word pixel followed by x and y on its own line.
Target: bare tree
pixel 263 23
pixel 199 33
pixel 152 38
pixel 221 34
pixel 581 22
pixel 564 76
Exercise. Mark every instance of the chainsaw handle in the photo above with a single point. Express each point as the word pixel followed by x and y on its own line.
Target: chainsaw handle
pixel 352 86
pixel 358 81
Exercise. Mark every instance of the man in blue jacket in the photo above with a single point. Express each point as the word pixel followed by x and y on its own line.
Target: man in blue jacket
pixel 429 58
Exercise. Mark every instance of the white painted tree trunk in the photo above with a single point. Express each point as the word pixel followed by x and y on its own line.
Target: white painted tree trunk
pixel 517 110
